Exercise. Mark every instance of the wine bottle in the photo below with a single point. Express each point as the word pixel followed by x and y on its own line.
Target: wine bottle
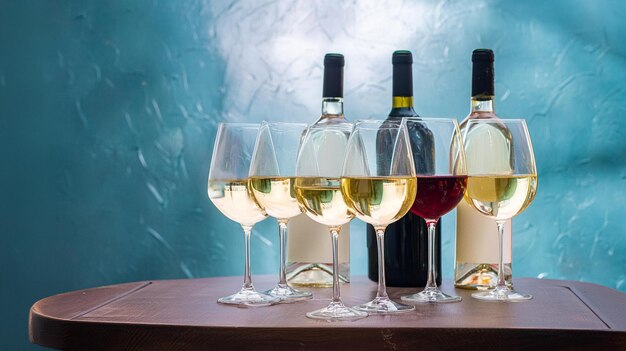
pixel 476 261
pixel 310 260
pixel 406 241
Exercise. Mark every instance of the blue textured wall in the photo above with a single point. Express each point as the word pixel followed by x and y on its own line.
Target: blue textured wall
pixel 108 113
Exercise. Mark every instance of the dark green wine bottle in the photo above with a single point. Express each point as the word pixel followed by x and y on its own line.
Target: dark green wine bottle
pixel 406 241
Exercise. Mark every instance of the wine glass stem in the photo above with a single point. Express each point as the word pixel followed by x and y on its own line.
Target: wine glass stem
pixel 282 234
pixel 432 280
pixel 334 233
pixel 380 241
pixel 247 280
pixel 501 283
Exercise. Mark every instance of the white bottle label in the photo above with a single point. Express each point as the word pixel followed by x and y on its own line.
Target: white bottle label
pixel 477 235
pixel 310 242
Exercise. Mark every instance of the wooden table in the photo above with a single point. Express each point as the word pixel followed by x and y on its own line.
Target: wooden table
pixel 184 315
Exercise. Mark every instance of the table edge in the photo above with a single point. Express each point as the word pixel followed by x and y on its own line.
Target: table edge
pixel 45 328
pixel 127 335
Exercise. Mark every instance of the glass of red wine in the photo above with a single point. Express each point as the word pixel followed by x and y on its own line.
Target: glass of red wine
pixel 441 182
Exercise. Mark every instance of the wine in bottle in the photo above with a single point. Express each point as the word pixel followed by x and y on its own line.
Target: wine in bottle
pixel 406 241
pixel 310 261
pixel 476 262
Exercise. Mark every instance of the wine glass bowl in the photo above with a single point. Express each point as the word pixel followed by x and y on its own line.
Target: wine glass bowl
pixel 441 176
pixel 229 190
pixel 501 196
pixel 272 181
pixel 439 195
pixel 232 198
pixel 322 199
pixel 378 184
pixel 501 190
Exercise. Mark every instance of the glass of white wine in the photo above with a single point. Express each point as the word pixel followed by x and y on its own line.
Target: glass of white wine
pixel 272 181
pixel 318 189
pixel 229 190
pixel 502 182
pixel 378 184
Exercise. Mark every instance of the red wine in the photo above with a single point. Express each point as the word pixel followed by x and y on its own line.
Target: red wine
pixel 438 195
pixel 406 241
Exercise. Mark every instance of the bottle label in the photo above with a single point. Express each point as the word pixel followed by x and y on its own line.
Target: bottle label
pixel 310 242
pixel 477 237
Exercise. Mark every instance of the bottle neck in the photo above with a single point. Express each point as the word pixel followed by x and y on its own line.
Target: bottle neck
pixel 332 108
pixel 482 104
pixel 402 106
pixel 402 102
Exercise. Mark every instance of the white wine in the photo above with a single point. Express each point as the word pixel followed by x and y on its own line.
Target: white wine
pixel 476 239
pixel 308 254
pixel 476 256
pixel 379 200
pixel 323 201
pixel 501 197
pixel 234 199
pixel 276 195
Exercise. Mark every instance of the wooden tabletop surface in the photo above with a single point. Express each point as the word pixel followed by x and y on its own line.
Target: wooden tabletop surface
pixel 184 315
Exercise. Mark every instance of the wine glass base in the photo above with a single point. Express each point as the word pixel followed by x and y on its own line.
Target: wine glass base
pixel 337 311
pixel 431 295
pixel 383 305
pixel 249 298
pixel 504 294
pixel 288 294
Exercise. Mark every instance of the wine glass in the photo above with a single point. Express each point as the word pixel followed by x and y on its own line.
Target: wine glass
pixel 502 183
pixel 439 161
pixel 318 190
pixel 378 184
pixel 272 180
pixel 228 189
